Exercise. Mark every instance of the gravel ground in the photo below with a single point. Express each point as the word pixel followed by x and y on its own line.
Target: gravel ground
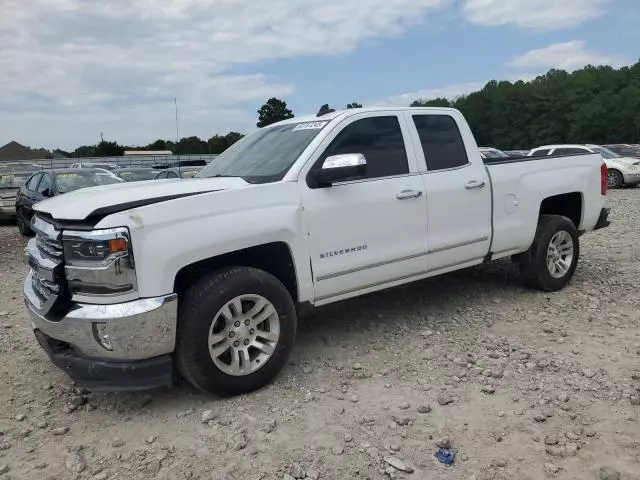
pixel 522 384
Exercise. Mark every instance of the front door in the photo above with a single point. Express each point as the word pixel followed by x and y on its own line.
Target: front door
pixel 368 232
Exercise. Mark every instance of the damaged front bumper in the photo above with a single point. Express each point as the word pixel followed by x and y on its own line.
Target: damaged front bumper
pixel 123 346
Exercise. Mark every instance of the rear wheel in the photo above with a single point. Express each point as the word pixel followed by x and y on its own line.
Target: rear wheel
pixel 236 330
pixel 23 223
pixel 551 261
pixel 614 179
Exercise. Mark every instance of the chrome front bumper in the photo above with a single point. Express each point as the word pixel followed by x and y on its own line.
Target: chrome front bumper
pixel 136 330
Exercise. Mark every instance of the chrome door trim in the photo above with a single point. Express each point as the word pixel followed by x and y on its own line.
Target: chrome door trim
pixel 397 279
pixel 367 267
pixel 460 244
pixel 401 259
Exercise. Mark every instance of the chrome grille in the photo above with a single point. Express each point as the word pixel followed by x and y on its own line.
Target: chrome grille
pixel 45 257
pixel 49 247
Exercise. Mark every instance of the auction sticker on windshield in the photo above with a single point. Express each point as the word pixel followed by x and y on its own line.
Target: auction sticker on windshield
pixel 310 126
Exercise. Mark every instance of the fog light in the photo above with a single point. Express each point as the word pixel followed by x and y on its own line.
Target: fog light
pixel 101 336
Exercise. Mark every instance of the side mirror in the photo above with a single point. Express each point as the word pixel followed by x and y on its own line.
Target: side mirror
pixel 341 167
pixel 47 193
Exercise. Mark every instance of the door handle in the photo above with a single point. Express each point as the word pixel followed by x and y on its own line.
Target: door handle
pixel 406 194
pixel 474 184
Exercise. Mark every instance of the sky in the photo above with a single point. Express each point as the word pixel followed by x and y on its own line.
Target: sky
pixel 73 70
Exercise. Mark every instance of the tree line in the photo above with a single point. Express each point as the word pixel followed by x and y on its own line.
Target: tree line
pixel 593 105
pixel 597 105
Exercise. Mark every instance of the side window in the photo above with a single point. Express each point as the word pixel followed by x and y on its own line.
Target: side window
pixel 162 175
pixel 381 142
pixel 569 151
pixel 45 184
pixel 541 153
pixel 172 174
pixel 441 141
pixel 33 182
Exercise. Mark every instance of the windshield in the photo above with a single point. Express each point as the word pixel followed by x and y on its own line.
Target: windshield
pixel 137 175
pixel 265 155
pixel 13 180
pixel 189 173
pixel 606 153
pixel 494 154
pixel 69 181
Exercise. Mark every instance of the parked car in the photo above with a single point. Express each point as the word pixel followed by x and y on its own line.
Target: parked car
pixel 103 165
pixel 305 212
pixel 51 183
pixel 490 152
pixel 517 153
pixel 182 172
pixel 136 174
pixel 625 150
pixel 621 170
pixel 10 167
pixel 10 184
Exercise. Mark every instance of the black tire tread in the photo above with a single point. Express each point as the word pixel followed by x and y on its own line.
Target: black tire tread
pixel 189 340
pixel 533 272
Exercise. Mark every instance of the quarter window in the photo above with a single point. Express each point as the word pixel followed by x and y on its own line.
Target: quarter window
pixel 381 142
pixel 441 141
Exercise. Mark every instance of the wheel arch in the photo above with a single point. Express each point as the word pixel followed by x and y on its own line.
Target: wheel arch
pixel 568 205
pixel 275 258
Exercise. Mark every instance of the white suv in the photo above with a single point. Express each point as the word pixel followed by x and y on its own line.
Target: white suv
pixel 620 170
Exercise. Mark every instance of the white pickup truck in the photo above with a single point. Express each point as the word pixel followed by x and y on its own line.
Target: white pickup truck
pixel 133 284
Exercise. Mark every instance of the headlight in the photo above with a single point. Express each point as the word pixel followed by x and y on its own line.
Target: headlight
pixel 99 262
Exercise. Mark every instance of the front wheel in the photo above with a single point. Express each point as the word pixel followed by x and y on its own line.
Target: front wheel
pixel 614 179
pixel 551 261
pixel 23 223
pixel 236 330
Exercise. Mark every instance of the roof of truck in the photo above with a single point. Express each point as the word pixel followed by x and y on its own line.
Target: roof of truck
pixel 566 145
pixel 353 111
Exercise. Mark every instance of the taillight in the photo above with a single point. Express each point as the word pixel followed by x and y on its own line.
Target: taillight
pixel 603 179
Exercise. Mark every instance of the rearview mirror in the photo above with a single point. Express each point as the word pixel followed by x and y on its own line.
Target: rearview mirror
pixel 341 167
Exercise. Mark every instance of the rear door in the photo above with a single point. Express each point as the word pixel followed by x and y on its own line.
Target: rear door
pixel 457 189
pixel 368 232
pixel 29 195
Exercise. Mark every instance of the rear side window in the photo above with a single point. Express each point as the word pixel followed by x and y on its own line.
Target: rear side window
pixel 569 151
pixel 541 153
pixel 33 182
pixel 381 142
pixel 441 141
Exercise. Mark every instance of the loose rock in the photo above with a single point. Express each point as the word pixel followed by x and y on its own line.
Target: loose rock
pixel 608 473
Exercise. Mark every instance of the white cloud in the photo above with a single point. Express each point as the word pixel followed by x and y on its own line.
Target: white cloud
pixel 72 68
pixel 447 91
pixel 566 56
pixel 534 14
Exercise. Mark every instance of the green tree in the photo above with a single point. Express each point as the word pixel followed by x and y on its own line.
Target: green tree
pixel 436 102
pixel 109 149
pixel 274 110
pixel 354 105
pixel 191 146
pixel 593 105
pixel 85 151
pixel 219 143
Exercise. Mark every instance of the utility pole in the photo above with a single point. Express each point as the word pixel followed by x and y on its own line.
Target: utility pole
pixel 101 138
pixel 175 102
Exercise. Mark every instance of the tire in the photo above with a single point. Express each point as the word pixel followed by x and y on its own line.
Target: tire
pixel 201 315
pixel 614 179
pixel 23 225
pixel 534 263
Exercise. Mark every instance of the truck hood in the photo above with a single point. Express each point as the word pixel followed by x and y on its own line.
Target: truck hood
pixel 108 199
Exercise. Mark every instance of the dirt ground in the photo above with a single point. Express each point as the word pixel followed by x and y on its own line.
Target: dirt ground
pixel 525 385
